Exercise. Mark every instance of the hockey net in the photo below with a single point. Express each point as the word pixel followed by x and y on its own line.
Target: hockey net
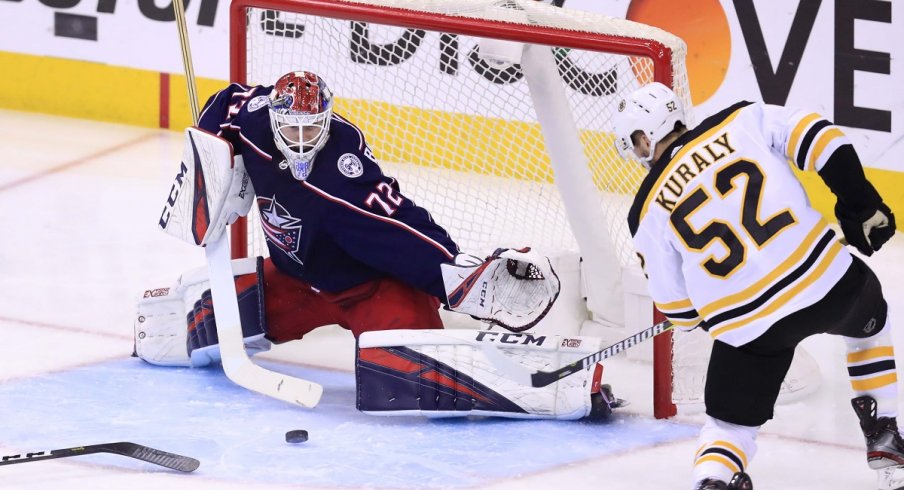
pixel 463 134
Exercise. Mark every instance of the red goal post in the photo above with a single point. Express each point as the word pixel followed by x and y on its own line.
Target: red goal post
pixel 536 146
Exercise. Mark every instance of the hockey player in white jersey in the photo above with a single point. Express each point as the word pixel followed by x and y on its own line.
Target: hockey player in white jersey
pixel 730 244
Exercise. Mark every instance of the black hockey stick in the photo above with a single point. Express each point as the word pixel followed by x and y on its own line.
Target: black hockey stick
pixel 543 378
pixel 130 449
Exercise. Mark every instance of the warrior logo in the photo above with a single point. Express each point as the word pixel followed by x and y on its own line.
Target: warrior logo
pixel 282 229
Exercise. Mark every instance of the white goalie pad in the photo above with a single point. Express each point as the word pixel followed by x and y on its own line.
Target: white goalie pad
pixel 161 327
pixel 211 190
pixel 512 288
pixel 446 373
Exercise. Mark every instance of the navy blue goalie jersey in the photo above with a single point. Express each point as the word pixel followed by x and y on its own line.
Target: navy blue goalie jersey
pixel 347 223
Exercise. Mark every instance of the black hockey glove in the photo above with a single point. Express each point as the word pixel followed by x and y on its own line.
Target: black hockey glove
pixel 866 230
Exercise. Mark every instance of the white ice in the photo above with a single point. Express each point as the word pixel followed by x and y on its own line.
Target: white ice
pixel 80 201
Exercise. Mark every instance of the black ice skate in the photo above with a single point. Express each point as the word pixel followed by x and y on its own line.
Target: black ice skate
pixel 884 446
pixel 740 481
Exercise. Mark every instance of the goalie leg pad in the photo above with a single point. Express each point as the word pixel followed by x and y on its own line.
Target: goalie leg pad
pixel 203 343
pixel 175 326
pixel 444 373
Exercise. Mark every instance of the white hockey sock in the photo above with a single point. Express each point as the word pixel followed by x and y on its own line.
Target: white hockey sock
pixel 725 449
pixel 871 367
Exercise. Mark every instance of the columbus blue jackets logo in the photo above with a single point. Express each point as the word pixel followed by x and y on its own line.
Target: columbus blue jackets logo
pixel 350 165
pixel 282 229
pixel 258 102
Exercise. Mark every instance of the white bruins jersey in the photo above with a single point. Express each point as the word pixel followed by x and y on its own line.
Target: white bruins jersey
pixel 724 229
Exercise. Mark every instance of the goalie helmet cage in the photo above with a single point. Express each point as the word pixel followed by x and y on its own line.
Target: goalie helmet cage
pixel 480 148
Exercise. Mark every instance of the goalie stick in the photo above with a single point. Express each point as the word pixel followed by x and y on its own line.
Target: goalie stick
pixel 517 372
pixel 130 449
pixel 236 363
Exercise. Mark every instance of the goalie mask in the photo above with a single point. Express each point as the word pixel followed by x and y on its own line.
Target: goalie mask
pixel 653 109
pixel 301 106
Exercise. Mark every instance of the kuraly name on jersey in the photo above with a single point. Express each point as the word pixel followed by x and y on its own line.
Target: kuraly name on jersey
pixel 683 160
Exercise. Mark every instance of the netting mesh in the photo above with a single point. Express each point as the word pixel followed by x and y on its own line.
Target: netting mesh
pixel 458 132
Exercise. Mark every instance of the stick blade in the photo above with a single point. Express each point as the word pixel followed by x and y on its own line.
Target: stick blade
pixel 236 363
pixel 271 383
pixel 540 379
pixel 155 456
pixel 512 369
pixel 300 392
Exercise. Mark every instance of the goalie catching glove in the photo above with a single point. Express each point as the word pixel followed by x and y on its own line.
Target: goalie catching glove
pixel 511 288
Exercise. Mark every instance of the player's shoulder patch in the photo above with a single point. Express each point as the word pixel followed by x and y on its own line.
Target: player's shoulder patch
pixel 350 165
pixel 258 102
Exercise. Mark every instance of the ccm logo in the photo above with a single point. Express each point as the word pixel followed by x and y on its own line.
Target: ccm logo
pixel 510 338
pixel 173 194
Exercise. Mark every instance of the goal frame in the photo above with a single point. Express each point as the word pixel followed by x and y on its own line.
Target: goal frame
pixel 536 34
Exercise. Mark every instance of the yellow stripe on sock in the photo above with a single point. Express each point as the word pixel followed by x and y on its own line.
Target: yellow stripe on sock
pixel 731 447
pixel 863 355
pixel 874 383
pixel 719 458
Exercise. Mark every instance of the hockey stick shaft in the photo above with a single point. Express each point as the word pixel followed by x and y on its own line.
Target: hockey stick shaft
pixel 523 375
pixel 137 451
pixel 236 363
pixel 544 378
pixel 179 11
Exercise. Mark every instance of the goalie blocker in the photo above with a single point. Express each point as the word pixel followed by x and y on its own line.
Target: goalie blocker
pixel 211 190
pixel 448 373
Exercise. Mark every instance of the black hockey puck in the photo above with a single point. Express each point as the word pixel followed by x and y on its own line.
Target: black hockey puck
pixel 296 436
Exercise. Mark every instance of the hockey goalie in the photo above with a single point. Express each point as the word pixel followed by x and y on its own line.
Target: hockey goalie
pixel 348 247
